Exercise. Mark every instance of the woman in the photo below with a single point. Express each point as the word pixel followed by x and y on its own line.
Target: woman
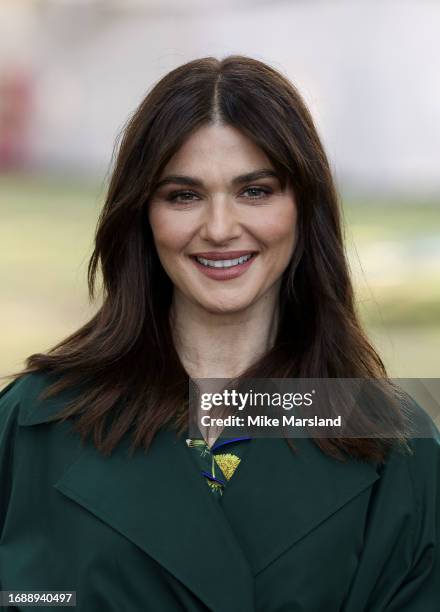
pixel 220 163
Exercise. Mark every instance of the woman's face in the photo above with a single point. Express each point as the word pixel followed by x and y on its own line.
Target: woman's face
pixel 207 203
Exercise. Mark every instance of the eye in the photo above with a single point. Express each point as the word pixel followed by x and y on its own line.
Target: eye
pixel 258 192
pixel 181 196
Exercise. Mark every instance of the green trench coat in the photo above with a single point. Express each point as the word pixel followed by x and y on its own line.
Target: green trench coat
pixel 292 533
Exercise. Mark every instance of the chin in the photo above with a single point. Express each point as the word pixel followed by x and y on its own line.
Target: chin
pixel 225 307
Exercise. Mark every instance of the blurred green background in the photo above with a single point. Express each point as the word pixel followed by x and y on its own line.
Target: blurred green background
pixel 46 235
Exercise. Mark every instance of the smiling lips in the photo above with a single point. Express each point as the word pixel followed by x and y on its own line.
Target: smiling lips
pixel 224 265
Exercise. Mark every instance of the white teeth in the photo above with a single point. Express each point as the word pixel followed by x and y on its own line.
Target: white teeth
pixel 223 263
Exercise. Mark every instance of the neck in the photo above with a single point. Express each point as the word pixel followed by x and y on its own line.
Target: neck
pixel 219 345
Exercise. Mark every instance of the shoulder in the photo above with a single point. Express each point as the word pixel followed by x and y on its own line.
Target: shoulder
pixel 25 449
pixel 400 561
pixel 21 400
pixel 424 462
pixel 411 476
pixel 29 455
pixel 422 454
pixel 14 394
pixel 424 436
pixel 18 397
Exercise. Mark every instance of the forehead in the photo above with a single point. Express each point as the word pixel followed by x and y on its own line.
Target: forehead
pixel 217 147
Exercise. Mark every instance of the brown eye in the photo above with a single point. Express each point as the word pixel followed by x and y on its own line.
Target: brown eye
pixel 257 193
pixel 181 196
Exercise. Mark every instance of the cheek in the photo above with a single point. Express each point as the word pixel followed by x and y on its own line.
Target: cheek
pixel 279 229
pixel 169 233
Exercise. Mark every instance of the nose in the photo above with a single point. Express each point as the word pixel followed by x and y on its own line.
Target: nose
pixel 220 222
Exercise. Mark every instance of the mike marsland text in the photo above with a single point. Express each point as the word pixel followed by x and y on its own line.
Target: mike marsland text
pixel 265 421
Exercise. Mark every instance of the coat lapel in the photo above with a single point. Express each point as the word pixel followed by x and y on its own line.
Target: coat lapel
pixel 275 498
pixel 160 502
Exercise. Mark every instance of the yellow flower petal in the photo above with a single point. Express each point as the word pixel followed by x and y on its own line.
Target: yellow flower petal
pixel 228 463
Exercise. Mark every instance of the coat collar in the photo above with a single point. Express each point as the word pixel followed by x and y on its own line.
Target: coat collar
pixel 160 502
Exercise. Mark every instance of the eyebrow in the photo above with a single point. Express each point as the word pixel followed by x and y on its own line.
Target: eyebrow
pixel 180 179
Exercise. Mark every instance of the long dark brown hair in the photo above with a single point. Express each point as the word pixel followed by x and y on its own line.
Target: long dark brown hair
pixel 124 359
